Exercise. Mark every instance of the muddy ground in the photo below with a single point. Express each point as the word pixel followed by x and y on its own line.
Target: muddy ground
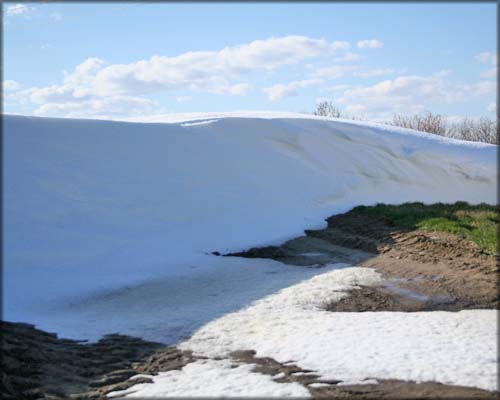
pixel 423 271
pixel 39 365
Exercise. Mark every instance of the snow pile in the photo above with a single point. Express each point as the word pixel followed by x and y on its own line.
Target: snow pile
pixel 92 206
pixel 211 378
pixel 453 348
pixel 108 227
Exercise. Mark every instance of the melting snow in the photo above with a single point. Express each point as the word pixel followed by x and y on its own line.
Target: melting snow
pixel 107 226
pixel 458 348
pixel 211 378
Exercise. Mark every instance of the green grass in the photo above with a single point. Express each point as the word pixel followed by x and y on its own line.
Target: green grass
pixel 478 223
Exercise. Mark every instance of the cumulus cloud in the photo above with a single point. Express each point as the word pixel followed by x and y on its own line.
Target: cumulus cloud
pixel 10 85
pixel 373 72
pixel 487 58
pixel 93 82
pixel 18 9
pixel 338 71
pixel 336 88
pixel 282 90
pixel 349 56
pixel 411 94
pixel 334 71
pixel 109 107
pixel 239 89
pixel 491 59
pixel 370 44
pixel 489 73
pixel 208 70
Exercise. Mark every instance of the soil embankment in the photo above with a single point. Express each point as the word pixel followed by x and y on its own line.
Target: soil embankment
pixel 423 270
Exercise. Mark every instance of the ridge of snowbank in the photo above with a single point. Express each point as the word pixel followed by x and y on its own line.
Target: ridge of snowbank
pixel 94 206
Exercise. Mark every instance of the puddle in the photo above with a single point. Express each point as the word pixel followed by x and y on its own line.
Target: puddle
pixel 311 254
pixel 390 287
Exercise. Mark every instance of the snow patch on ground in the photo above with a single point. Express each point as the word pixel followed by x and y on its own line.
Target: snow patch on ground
pixel 457 348
pixel 213 378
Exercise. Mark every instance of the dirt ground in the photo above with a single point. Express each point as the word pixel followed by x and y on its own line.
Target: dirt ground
pixel 384 389
pixel 423 270
pixel 39 365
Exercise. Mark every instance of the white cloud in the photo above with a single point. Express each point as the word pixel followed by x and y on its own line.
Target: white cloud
pixel 240 89
pixel 481 88
pixel 18 9
pixel 348 57
pixel 108 107
pixel 489 73
pixel 411 94
pixel 338 45
pixel 487 58
pixel 321 99
pixel 336 88
pixel 93 81
pixel 491 59
pixel 206 70
pixel 338 71
pixel 333 72
pixel 10 85
pixel 370 44
pixel 373 73
pixel 492 108
pixel 279 91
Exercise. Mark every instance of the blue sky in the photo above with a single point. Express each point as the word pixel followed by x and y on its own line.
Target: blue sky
pixel 128 59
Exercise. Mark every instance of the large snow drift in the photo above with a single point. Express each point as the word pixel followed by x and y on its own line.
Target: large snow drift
pixel 92 206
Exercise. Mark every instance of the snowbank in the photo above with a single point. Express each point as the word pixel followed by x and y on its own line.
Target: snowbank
pixel 93 208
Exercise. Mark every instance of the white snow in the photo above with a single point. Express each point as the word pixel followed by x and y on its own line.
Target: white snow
pixel 458 348
pixel 363 382
pixel 211 378
pixel 318 385
pixel 90 206
pixel 108 226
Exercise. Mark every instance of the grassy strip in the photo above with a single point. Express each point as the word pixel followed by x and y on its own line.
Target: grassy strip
pixel 478 223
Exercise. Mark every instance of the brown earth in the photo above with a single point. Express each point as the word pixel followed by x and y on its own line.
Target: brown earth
pixel 384 389
pixel 39 365
pixel 442 270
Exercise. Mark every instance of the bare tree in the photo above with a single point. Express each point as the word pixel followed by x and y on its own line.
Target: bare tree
pixel 327 109
pixel 483 130
pixel 428 122
pixel 478 130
